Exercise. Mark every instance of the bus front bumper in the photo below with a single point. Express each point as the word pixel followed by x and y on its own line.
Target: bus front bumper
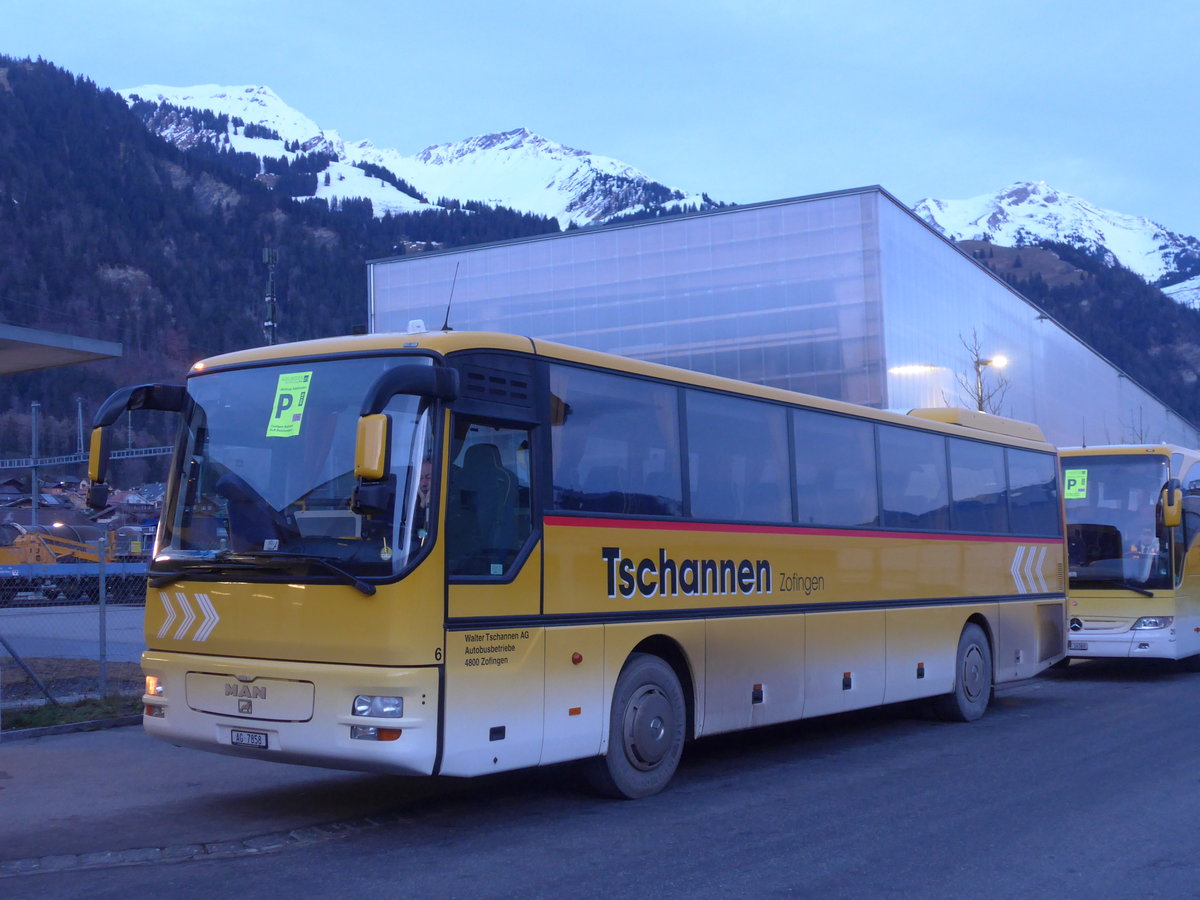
pixel 1150 643
pixel 301 713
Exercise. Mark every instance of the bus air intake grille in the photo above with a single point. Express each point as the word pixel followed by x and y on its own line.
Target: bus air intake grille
pixel 495 386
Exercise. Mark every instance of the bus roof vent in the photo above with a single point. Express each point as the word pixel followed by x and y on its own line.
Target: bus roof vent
pixel 981 421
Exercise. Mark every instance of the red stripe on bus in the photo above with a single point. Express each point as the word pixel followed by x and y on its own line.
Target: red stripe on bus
pixel 642 525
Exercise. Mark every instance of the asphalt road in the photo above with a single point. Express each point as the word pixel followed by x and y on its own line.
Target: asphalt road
pixel 1081 783
pixel 73 632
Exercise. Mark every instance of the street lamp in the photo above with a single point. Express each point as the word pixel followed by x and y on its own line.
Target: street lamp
pixel 998 362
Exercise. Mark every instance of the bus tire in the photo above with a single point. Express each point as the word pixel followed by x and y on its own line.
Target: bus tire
pixel 646 731
pixel 972 679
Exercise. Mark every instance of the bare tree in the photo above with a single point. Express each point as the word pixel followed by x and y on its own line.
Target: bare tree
pixel 984 389
pixel 1139 433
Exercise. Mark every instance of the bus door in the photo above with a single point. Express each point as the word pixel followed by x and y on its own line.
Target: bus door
pixel 495 672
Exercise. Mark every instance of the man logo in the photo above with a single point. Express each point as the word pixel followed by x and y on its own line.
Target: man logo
pixel 250 691
pixel 245 707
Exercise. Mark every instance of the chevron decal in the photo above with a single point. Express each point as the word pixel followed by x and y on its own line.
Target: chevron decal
pixel 181 609
pixel 1026 569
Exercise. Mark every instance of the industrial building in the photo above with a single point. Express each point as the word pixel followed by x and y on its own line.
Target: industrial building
pixel 846 295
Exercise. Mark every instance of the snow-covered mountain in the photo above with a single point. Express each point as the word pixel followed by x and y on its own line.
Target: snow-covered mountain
pixel 1186 292
pixel 526 172
pixel 517 169
pixel 1027 211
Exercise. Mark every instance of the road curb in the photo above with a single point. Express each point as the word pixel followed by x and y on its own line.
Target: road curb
pixel 257 845
pixel 22 734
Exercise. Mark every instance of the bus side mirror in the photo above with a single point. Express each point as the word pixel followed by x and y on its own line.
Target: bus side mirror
pixel 370 447
pixel 98 449
pixel 374 490
pixel 1172 504
pixel 164 397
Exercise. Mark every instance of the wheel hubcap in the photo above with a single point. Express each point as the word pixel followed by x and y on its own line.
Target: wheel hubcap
pixel 974 678
pixel 648 727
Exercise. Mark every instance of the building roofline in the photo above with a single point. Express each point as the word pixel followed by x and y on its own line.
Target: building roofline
pixel 31 349
pixel 767 204
pixel 642 223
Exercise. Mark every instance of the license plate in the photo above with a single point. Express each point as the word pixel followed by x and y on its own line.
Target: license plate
pixel 255 739
pixel 1071 645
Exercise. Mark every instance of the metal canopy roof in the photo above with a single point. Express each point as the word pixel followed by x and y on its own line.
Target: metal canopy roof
pixel 28 349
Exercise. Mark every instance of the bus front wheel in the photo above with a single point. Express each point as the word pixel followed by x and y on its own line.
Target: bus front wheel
pixel 972 678
pixel 646 731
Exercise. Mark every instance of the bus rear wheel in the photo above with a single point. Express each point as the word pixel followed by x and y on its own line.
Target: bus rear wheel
pixel 646 731
pixel 972 679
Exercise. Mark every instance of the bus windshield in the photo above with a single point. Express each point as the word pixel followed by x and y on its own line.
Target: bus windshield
pixel 1114 534
pixel 264 475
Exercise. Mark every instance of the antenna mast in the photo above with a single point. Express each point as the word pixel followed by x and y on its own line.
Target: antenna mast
pixel 453 282
pixel 270 257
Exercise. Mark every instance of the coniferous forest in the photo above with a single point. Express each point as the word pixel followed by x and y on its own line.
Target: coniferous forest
pixel 107 231
pixel 1152 338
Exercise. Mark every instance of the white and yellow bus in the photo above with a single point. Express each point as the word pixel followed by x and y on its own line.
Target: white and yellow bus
pixel 456 553
pixel 1134 563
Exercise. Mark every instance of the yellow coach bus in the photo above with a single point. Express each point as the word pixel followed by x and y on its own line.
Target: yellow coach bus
pixel 1134 563
pixel 455 553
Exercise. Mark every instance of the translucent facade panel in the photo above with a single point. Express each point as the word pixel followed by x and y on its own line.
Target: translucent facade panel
pixel 942 311
pixel 847 296
pixel 782 294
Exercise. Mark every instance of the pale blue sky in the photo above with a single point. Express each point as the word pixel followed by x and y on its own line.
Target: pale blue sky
pixel 747 100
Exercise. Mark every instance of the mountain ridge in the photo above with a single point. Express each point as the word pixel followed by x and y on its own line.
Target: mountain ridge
pixel 1028 212
pixel 525 171
pixel 518 169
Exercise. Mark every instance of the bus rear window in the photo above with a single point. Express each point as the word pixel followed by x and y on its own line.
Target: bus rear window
pixel 1033 493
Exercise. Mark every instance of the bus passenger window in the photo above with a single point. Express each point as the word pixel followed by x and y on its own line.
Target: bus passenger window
pixel 488 517
pixel 737 459
pixel 915 488
pixel 615 444
pixel 1191 504
pixel 978 487
pixel 835 470
pixel 1033 493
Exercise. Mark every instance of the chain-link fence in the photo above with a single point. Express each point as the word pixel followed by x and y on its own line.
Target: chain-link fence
pixel 70 636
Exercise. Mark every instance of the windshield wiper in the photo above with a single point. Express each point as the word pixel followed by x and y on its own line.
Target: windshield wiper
pixel 1115 582
pixel 283 559
pixel 157 581
pixel 229 559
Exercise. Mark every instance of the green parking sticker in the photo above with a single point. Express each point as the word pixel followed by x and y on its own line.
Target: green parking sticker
pixel 288 409
pixel 1075 484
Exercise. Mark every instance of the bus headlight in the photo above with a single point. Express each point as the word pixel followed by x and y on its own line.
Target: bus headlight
pixel 379 707
pixel 154 687
pixel 1148 622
